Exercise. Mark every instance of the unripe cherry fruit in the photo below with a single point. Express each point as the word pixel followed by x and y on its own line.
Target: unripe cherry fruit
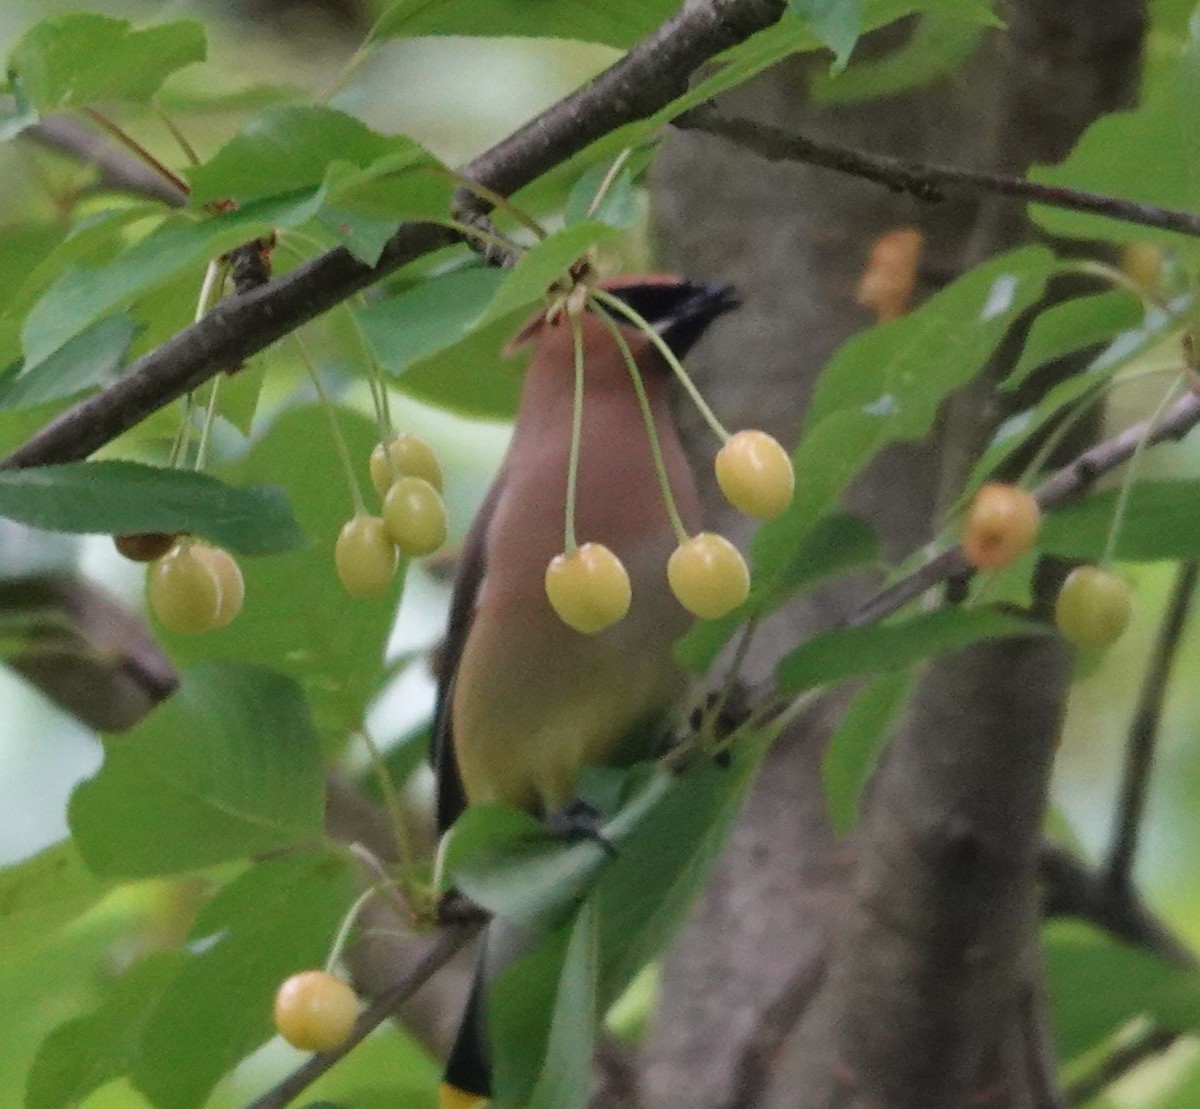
pixel 145 546
pixel 410 457
pixel 1001 526
pixel 588 588
pixel 1093 607
pixel 708 575
pixel 364 555
pixel 229 574
pixel 315 1011
pixel 414 516
pixel 184 590
pixel 755 474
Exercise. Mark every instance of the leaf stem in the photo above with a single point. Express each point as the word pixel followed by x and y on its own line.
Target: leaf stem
pixel 606 184
pixel 134 147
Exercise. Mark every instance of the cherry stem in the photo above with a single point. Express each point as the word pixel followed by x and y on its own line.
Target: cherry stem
pixel 1114 531
pixel 391 801
pixel 131 144
pixel 639 386
pixel 468 231
pixel 617 304
pixel 495 200
pixel 189 151
pixel 571 544
pixel 360 508
pixel 611 176
pixel 343 933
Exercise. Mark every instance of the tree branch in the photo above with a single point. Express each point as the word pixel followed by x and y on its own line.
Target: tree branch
pixel 923 180
pixel 450 940
pixel 1072 888
pixel 1123 1059
pixel 1061 488
pixel 1143 733
pixel 646 79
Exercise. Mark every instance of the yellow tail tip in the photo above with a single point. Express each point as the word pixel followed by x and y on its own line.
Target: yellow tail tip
pixel 451 1097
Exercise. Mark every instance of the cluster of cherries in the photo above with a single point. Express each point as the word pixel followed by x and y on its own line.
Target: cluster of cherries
pixel 407 475
pixel 192 586
pixel 1093 606
pixel 589 587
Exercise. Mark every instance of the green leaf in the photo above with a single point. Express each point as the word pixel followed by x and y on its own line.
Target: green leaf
pixel 648 889
pixel 81 295
pixel 618 23
pixel 41 894
pixel 426 337
pixel 941 42
pixel 851 752
pixel 1149 155
pixel 837 22
pixel 565 1081
pixel 276 919
pixel 370 180
pixel 297 619
pixel 1097 985
pixel 617 208
pixel 1076 325
pixel 116 498
pixel 906 368
pixel 527 283
pixel 1018 429
pixel 79 59
pixel 1160 523
pixel 93 357
pixel 844 653
pixel 228 767
pixel 835 544
pixel 514 866
pixel 84 1054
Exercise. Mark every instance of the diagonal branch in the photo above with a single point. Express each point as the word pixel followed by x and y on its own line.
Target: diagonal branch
pixel 646 79
pixel 449 942
pixel 1061 488
pixel 924 180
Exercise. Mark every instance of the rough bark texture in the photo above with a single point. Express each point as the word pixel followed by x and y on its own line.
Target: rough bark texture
pixel 899 969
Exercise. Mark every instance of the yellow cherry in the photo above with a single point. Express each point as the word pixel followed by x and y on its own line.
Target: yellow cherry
pixel 1093 607
pixel 588 588
pixel 229 574
pixel 708 575
pixel 184 590
pixel 414 516
pixel 755 474
pixel 315 1011
pixel 1002 524
pixel 410 457
pixel 364 555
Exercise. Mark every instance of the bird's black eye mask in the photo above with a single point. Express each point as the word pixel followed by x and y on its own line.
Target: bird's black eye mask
pixel 679 311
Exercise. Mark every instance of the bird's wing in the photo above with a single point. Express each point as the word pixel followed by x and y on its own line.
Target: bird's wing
pixel 451 797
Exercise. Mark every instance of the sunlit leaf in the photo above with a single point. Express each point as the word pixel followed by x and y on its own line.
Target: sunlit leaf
pixel 83 58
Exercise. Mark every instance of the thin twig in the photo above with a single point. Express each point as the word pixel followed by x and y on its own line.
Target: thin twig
pixel 1061 488
pixel 923 180
pixel 1143 732
pixel 1117 1064
pixel 450 941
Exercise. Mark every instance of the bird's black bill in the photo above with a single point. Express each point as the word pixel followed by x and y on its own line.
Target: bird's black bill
pixel 679 311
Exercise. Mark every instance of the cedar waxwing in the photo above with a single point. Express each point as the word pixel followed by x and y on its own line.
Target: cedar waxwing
pixel 524 701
